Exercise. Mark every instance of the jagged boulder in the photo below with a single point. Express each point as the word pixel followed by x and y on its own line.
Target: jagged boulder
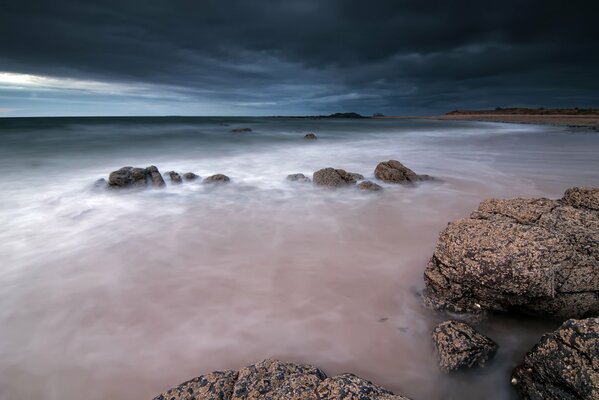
pixel 333 177
pixel 135 177
pixel 369 186
pixel 218 178
pixel 537 256
pixel 276 380
pixel 175 177
pixel 458 345
pixel 298 178
pixel 393 171
pixel 564 365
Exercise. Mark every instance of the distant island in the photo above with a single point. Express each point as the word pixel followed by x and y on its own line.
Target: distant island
pixel 528 111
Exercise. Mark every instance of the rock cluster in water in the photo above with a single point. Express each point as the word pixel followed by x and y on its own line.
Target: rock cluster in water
pixel 130 176
pixel 272 379
pixel 537 256
pixel 458 345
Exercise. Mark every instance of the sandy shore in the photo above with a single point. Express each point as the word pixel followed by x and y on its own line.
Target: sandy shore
pixel 590 121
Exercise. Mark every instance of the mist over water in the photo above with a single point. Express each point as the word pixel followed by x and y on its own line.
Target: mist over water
pixel 123 294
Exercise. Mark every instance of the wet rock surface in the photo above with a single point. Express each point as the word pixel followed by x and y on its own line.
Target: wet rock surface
pixel 393 171
pixel 272 379
pixel 135 177
pixel 458 345
pixel 175 177
pixel 369 186
pixel 536 256
pixel 190 176
pixel 298 178
pixel 333 177
pixel 218 178
pixel 310 136
pixel 563 365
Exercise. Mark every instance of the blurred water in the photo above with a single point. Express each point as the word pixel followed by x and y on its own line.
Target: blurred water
pixel 109 294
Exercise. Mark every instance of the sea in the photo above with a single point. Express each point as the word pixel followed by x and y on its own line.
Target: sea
pixel 123 294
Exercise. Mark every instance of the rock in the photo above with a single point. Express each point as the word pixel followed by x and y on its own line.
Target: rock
pixel 190 176
pixel 214 386
pixel 218 178
pixel 370 186
pixel 276 380
pixel 582 197
pixel 563 365
pixel 310 136
pixel 536 256
pixel 298 178
pixel 393 171
pixel 241 130
pixel 356 176
pixel 135 177
pixel 458 345
pixel 100 183
pixel 175 177
pixel 333 177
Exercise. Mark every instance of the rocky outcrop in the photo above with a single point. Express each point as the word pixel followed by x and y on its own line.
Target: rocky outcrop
pixel 190 176
pixel 135 177
pixel 218 178
pixel 175 177
pixel 458 345
pixel 310 136
pixel 369 186
pixel 272 379
pixel 536 256
pixel 333 177
pixel 393 171
pixel 564 365
pixel 241 130
pixel 298 178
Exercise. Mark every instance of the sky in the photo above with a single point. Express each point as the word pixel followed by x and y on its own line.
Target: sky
pixel 295 57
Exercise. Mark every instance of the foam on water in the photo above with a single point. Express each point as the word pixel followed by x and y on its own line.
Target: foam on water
pixel 123 294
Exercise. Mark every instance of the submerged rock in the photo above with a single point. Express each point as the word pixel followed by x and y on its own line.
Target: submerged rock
pixel 100 183
pixel 356 176
pixel 310 136
pixel 563 365
pixel 537 256
pixel 135 177
pixel 333 177
pixel 393 171
pixel 190 176
pixel 458 345
pixel 272 379
pixel 241 130
pixel 369 186
pixel 175 177
pixel 218 178
pixel 298 178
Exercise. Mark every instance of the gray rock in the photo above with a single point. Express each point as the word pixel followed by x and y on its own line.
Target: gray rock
pixel 536 256
pixel 218 178
pixel 135 177
pixel 298 178
pixel 175 177
pixel 332 177
pixel 564 365
pixel 241 130
pixel 276 380
pixel 356 176
pixel 310 136
pixel 458 345
pixel 100 183
pixel 190 176
pixel 369 186
pixel 393 171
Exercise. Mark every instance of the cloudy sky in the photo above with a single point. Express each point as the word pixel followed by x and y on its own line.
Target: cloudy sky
pixel 296 57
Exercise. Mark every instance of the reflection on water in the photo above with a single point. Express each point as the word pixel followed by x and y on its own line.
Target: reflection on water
pixel 124 294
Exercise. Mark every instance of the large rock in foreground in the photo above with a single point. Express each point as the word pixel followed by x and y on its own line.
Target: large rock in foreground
pixel 536 256
pixel 135 177
pixel 564 365
pixel 458 345
pixel 393 171
pixel 274 380
pixel 333 177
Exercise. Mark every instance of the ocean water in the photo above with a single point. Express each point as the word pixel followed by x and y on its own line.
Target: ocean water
pixel 123 294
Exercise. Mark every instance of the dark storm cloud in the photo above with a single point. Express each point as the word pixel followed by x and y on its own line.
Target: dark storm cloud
pixel 315 56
